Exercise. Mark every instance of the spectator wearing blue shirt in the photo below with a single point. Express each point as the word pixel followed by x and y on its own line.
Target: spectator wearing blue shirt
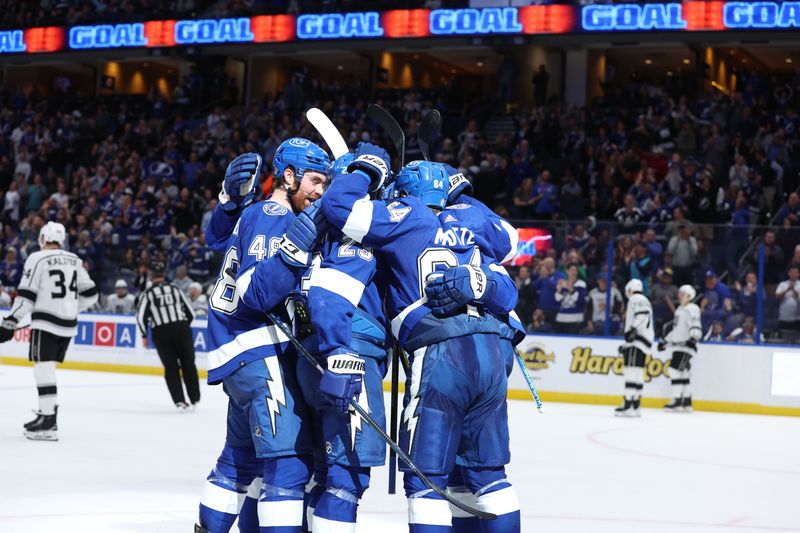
pixel 571 297
pixel 545 195
pixel 746 295
pixel 546 288
pixel 738 236
pixel 715 291
pixel 655 250
pixel 10 269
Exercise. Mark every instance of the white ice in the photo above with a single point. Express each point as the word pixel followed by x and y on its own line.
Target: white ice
pixel 126 461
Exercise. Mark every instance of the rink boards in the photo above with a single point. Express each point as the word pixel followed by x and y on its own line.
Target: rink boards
pixel 725 377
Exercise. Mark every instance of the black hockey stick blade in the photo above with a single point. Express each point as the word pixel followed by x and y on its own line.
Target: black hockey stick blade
pixel 483 515
pixel 388 124
pixel 428 132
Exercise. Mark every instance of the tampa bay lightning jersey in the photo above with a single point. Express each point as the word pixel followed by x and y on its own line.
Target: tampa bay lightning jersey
pixel 412 241
pixel 237 332
pixel 496 238
pixel 345 297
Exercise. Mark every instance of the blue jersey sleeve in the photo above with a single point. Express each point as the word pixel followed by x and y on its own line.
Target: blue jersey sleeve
pixel 373 223
pixel 497 238
pixel 505 295
pixel 219 229
pixel 263 279
pixel 335 290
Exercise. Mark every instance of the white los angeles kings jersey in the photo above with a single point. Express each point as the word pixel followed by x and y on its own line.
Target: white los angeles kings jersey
pixel 687 325
pixel 54 289
pixel 639 317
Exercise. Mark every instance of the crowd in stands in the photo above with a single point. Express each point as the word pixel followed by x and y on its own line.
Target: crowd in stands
pixel 674 183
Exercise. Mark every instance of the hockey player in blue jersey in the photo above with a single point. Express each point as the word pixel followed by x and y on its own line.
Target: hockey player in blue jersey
pixel 268 434
pixel 450 417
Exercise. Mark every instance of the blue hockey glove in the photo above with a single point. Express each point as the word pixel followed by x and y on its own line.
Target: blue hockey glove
pixel 241 180
pixel 302 236
pixel 662 346
pixel 459 184
pixel 374 162
pixel 342 380
pixel 630 335
pixel 7 328
pixel 454 288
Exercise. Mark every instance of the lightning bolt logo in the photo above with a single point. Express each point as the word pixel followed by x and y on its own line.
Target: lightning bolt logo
pixel 410 416
pixel 355 418
pixel 277 392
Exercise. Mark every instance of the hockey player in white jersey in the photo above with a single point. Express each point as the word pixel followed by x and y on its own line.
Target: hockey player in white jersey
pixel 54 289
pixel 686 330
pixel 639 336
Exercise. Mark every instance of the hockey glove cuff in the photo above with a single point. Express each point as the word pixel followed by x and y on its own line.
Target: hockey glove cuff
pixel 662 346
pixel 374 162
pixel 239 185
pixel 459 184
pixel 7 328
pixel 342 380
pixel 630 335
pixel 691 343
pixel 454 288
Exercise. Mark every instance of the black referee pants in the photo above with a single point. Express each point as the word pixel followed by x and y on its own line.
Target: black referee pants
pixel 176 351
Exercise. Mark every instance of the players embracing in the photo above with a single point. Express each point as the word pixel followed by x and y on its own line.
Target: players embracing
pixel 392 254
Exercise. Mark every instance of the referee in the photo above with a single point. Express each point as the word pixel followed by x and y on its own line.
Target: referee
pixel 167 310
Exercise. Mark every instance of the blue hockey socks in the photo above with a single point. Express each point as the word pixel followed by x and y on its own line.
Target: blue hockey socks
pixel 427 511
pixel 337 508
pixel 280 507
pixel 227 486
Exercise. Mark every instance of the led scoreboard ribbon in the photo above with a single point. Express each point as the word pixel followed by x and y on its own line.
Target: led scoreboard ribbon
pixel 411 23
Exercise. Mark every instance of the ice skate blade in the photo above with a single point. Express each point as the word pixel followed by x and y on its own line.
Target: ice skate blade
pixel 673 410
pixel 41 435
pixel 626 414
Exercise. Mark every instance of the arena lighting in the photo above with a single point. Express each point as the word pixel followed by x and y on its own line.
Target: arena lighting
pixel 412 23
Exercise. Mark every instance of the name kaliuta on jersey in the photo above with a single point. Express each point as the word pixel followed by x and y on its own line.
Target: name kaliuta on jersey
pixel 57 287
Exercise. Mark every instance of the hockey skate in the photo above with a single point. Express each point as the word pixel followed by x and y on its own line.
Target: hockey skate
pixel 675 406
pixel 687 405
pixel 635 412
pixel 43 427
pixel 625 410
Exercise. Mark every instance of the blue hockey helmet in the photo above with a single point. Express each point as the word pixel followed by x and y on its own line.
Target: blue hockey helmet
pixel 302 155
pixel 340 164
pixel 424 180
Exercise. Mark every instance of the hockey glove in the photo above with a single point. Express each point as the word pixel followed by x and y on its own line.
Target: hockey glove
pixel 459 184
pixel 7 328
pixel 630 335
pixel 662 345
pixel 302 236
pixel 241 179
pixel 342 380
pixel 374 162
pixel 691 343
pixel 621 349
pixel 454 288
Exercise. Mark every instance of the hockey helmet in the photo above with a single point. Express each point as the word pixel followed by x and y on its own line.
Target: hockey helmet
pixel 633 286
pixel 424 180
pixel 52 232
pixel 689 291
pixel 302 155
pixel 340 164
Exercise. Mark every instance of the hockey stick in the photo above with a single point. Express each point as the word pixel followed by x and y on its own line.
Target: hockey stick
pixel 428 131
pixel 387 122
pixel 529 379
pixel 328 132
pixel 483 515
pixel 393 417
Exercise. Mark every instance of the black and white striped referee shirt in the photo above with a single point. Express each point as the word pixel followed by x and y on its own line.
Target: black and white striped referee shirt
pixel 160 305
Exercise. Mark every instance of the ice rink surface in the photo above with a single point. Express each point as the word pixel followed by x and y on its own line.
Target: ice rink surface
pixel 126 461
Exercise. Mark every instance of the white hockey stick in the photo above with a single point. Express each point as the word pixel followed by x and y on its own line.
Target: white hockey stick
pixel 327 131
